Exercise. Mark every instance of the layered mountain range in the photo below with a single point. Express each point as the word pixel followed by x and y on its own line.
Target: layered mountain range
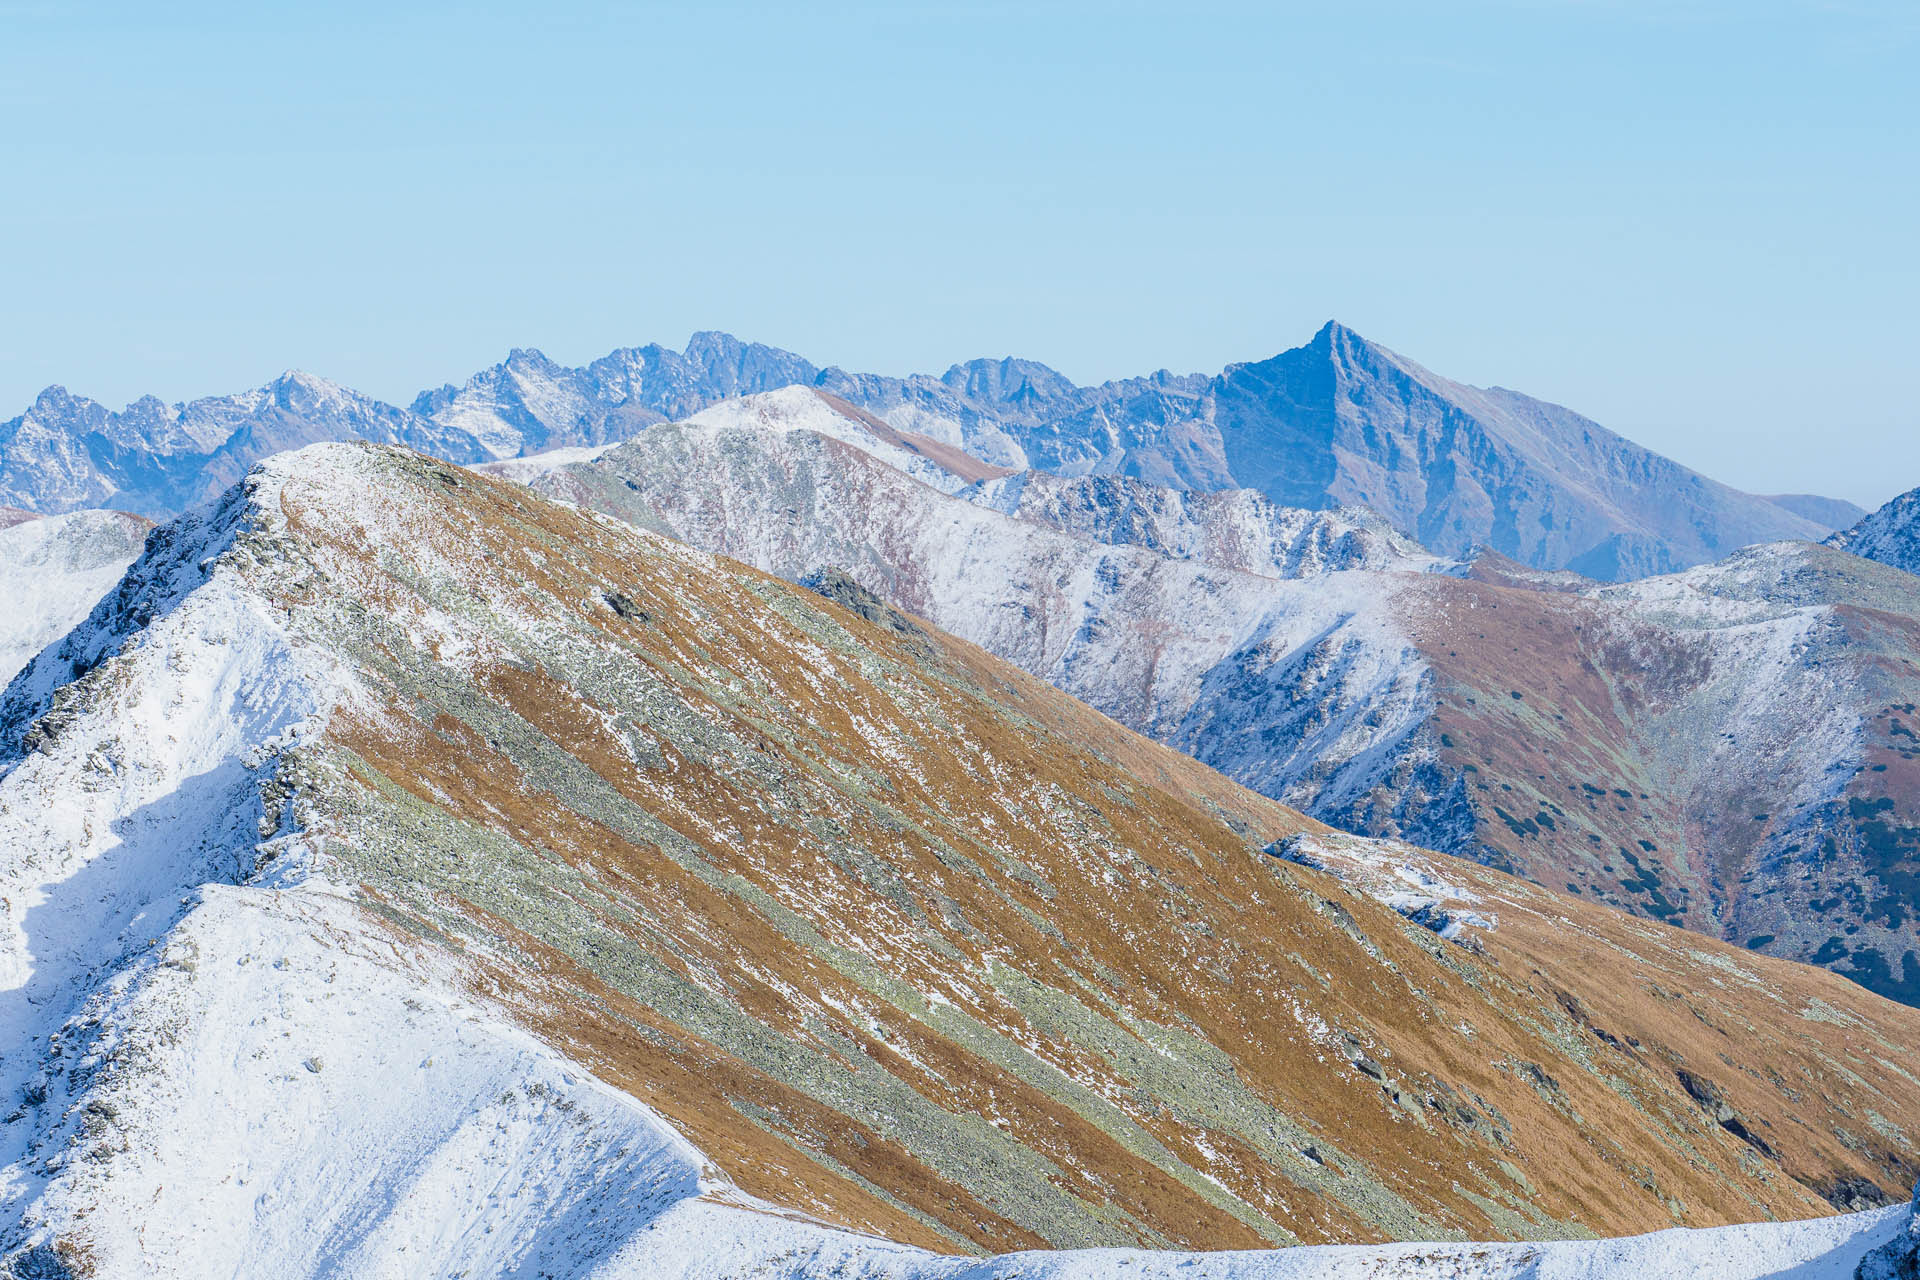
pixel 406 874
pixel 1338 422
pixel 1730 748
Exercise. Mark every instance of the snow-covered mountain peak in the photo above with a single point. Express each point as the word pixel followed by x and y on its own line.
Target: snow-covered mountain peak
pixel 298 390
pixel 55 400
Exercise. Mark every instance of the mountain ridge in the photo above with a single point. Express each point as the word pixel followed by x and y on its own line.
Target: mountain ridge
pixel 1337 421
pixel 890 933
pixel 1721 748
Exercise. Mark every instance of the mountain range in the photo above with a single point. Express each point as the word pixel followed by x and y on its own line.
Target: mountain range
pixel 1729 748
pixel 407 874
pixel 1339 421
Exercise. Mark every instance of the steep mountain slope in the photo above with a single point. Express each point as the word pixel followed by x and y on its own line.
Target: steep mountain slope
pixel 1139 634
pixel 1343 419
pixel 1890 535
pixel 52 570
pixel 1339 421
pixel 395 799
pixel 1720 749
pixel 1227 528
pixel 1731 748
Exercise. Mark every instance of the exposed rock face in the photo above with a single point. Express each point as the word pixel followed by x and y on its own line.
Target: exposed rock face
pixel 1339 421
pixel 1890 535
pixel 1728 748
pixel 892 932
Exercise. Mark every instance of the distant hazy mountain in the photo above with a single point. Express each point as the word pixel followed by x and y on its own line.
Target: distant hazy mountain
pixel 1343 419
pixel 67 452
pixel 1835 513
pixel 529 404
pixel 1338 422
pixel 1890 535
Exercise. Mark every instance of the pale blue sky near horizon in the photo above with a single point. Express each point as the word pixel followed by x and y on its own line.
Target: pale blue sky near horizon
pixel 1693 222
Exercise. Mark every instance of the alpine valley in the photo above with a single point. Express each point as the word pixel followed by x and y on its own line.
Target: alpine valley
pixel 705 815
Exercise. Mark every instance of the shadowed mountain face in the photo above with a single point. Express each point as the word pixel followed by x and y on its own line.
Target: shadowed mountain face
pixel 1339 421
pixel 893 932
pixel 1725 748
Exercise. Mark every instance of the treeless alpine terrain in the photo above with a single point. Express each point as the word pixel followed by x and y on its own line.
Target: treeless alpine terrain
pixel 1731 748
pixel 896 934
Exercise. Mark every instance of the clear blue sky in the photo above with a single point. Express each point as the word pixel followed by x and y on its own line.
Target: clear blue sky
pixel 1695 222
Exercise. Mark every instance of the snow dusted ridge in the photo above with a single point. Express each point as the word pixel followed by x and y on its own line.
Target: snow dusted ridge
pixel 1247 635
pixel 1413 881
pixel 932 462
pixel 52 570
pixel 214 1064
pixel 219 1059
pixel 1649 743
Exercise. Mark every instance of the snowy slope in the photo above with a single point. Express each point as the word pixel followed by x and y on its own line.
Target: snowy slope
pixel 223 1066
pixel 933 463
pixel 284 994
pixel 1227 528
pixel 1890 535
pixel 1825 1249
pixel 278 1090
pixel 52 571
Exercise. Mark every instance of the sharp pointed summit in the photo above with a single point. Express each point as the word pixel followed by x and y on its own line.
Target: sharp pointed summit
pixel 1339 421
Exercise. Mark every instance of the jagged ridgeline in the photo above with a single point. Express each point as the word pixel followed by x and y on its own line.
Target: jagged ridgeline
pixel 902 937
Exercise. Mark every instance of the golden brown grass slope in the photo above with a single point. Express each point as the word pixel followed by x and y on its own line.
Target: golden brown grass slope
pixel 904 938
